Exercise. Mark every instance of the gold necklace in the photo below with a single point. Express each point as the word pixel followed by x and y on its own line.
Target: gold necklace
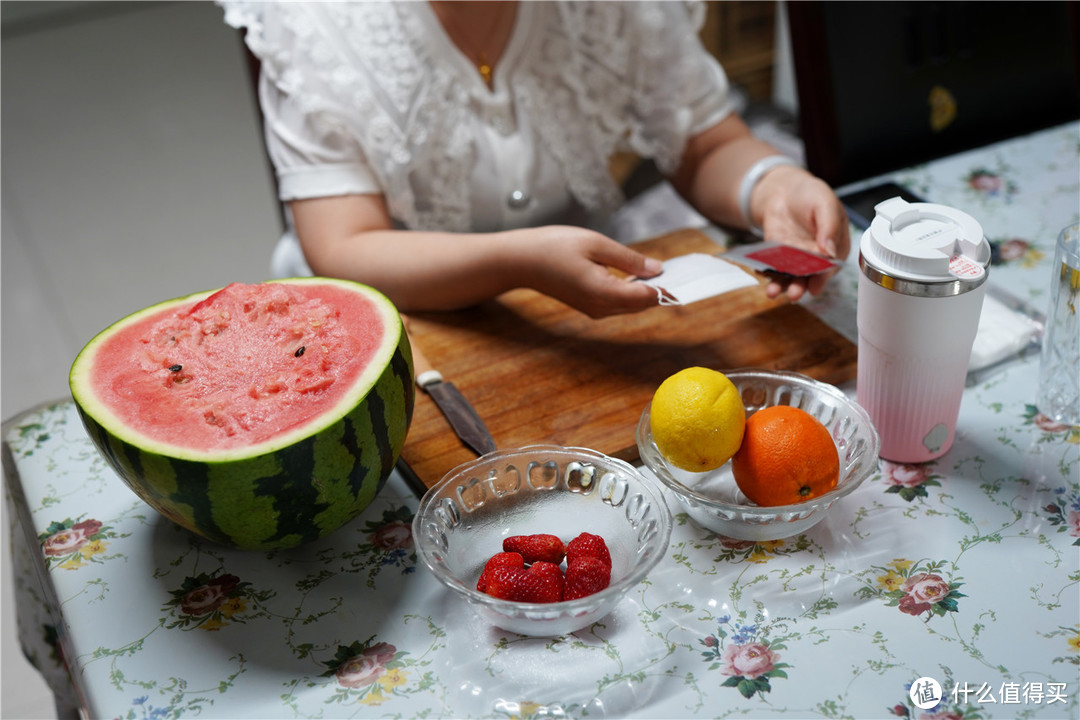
pixel 484 67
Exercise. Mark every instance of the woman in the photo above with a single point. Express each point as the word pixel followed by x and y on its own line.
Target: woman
pixel 445 152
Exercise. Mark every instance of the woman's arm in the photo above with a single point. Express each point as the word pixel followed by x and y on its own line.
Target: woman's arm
pixel 788 203
pixel 352 236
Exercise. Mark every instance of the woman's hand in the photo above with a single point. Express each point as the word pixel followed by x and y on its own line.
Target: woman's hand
pixel 798 209
pixel 574 265
pixel 788 203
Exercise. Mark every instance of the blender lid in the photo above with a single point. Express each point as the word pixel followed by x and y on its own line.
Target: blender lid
pixel 925 242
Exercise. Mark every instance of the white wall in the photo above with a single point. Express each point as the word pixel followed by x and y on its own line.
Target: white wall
pixel 785 94
pixel 132 172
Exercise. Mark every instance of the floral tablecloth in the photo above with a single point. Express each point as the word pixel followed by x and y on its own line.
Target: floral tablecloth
pixel 944 590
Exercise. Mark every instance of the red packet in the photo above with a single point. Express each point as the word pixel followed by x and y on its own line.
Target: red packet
pixel 776 257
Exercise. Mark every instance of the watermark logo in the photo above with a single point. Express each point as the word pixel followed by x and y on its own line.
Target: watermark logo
pixel 925 693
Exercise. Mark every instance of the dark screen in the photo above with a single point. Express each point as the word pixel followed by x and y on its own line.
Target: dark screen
pixel 885 85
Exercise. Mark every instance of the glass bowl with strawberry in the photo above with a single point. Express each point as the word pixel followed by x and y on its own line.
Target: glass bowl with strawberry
pixel 543 540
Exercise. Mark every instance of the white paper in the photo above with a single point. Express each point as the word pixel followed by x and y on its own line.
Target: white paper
pixel 689 278
pixel 1002 332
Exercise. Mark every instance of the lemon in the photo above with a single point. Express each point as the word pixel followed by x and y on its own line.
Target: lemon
pixel 697 419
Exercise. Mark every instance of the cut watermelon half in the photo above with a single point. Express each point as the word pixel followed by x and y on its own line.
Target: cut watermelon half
pixel 258 416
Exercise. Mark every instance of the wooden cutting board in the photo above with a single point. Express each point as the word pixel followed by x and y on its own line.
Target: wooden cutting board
pixel 538 371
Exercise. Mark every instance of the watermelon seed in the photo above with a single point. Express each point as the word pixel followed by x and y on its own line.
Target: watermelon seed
pixel 176 368
pixel 300 351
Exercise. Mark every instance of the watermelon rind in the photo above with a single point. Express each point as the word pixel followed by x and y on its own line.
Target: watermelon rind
pixel 286 491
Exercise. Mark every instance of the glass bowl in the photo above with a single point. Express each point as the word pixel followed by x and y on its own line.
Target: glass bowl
pixel 714 501
pixel 462 521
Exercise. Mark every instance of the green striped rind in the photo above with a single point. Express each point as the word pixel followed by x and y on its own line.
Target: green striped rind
pixel 289 495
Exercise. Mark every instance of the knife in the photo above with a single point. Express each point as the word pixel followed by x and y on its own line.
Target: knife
pixel 455 406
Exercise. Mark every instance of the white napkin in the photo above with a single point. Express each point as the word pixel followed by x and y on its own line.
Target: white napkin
pixel 689 278
pixel 1003 332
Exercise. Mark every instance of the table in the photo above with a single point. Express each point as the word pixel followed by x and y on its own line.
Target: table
pixel 953 585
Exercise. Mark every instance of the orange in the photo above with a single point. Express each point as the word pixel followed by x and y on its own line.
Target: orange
pixel 787 456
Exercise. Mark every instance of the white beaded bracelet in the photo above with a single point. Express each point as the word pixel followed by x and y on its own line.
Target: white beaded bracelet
pixel 749 182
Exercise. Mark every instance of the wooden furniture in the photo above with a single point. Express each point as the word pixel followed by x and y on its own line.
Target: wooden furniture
pixel 741 35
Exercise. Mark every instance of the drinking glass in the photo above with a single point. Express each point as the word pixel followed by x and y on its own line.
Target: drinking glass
pixel 1059 370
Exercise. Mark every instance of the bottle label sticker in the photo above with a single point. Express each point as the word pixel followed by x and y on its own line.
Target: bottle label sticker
pixel 964 268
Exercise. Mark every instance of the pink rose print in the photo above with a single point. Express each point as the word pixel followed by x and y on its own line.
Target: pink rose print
pixel 735 543
pixel 915 588
pixel 207 598
pixel 985 182
pixel 1012 249
pixel 1047 425
pixel 745 655
pixel 367 667
pixel 943 715
pixel 1074 523
pixel 65 542
pixel 991 184
pixel 749 661
pixel 359 671
pixel 905 475
pixel 388 544
pixel 393 536
pixel 71 545
pixel 926 587
pixel 382 652
pixel 210 603
pixel 88 528
pixel 1057 430
pixel 911 606
pixel 908 481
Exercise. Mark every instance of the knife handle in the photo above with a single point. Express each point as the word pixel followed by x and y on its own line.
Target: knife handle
pixel 428 378
pixel 425 374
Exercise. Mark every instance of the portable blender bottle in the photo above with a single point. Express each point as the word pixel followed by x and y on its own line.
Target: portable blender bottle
pixel 923 270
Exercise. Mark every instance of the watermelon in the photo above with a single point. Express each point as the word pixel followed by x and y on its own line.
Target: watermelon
pixel 257 416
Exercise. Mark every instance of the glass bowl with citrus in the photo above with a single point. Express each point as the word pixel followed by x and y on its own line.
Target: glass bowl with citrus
pixel 791 443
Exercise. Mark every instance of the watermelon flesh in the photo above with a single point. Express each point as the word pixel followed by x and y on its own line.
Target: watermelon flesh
pixel 258 416
pixel 240 367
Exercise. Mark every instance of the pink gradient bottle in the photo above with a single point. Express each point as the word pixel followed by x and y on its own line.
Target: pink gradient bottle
pixel 921 287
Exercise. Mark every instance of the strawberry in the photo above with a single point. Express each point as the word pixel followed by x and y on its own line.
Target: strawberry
pixel 521 585
pixel 553 574
pixel 585 575
pixel 503 559
pixel 588 545
pixel 536 548
pixel 502 581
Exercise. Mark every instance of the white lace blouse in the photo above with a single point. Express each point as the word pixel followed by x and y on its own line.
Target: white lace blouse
pixel 373 97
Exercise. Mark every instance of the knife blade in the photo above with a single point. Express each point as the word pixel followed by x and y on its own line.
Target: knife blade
pixel 454 405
